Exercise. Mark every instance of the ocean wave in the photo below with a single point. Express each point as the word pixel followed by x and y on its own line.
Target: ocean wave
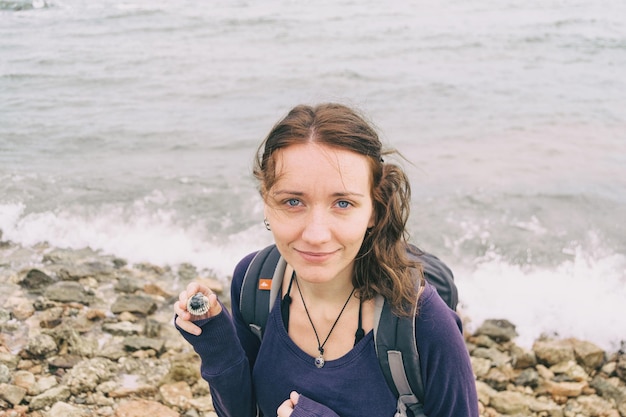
pixel 581 298
pixel 20 5
pixel 136 233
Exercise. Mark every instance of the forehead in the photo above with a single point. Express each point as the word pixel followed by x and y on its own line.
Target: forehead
pixel 324 166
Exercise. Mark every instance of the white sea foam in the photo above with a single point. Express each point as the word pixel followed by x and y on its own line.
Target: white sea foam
pixel 582 298
pixel 143 236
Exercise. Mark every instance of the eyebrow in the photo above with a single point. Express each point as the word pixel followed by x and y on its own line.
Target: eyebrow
pixel 300 193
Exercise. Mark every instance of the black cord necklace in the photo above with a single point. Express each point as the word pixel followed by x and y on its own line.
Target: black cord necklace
pixel 319 361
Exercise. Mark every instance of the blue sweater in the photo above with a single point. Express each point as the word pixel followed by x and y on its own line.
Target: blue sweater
pixel 242 372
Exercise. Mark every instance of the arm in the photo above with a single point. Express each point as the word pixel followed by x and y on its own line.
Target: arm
pixel 449 383
pixel 225 364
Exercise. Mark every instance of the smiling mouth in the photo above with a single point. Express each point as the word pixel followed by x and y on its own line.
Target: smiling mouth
pixel 315 256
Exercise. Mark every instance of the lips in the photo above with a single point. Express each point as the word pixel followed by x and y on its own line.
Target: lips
pixel 315 257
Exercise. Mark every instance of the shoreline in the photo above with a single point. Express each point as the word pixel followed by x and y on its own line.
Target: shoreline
pixel 83 333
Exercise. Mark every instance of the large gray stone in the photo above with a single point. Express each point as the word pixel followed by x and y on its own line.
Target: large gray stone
pixel 139 304
pixel 68 292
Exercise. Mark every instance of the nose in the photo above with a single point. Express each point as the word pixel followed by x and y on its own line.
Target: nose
pixel 317 228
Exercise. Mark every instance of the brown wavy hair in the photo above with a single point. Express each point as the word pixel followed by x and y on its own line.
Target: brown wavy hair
pixel 381 266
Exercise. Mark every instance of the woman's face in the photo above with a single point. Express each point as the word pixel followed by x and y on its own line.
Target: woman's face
pixel 319 209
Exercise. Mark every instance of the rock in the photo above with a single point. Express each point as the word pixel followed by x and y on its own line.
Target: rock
pixel 493 354
pixel 49 397
pixel 185 367
pixel 610 392
pixel 203 404
pixel 551 352
pixel 588 354
pixel 85 376
pixel 484 341
pixel 21 308
pixel 480 366
pixel 68 292
pixel 36 279
pixel 485 392
pixel 5 317
pixel 508 402
pixel 564 389
pixel 5 374
pixel 43 384
pixel 545 407
pixel 498 378
pixel 529 377
pixel 134 343
pixel 41 346
pixel 144 408
pixel 68 335
pixel 62 409
pixel 569 371
pixel 498 330
pixel 137 390
pixel 123 328
pixel 64 361
pixel 127 285
pixel 51 318
pixel 620 368
pixel 25 380
pixel 134 304
pixel 522 358
pixel 591 405
pixel 113 351
pixel 177 394
pixel 154 289
pixel 12 393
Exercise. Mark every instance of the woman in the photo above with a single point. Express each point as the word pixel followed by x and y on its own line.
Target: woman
pixel 337 212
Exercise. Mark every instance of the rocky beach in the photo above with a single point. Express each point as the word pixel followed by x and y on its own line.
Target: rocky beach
pixel 87 334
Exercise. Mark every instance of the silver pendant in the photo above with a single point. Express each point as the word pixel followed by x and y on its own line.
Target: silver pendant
pixel 319 361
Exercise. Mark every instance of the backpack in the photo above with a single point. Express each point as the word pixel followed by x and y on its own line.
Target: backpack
pixel 394 336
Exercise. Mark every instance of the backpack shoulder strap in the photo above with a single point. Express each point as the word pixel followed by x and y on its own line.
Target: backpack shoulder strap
pixel 396 337
pixel 396 348
pixel 260 286
pixel 436 273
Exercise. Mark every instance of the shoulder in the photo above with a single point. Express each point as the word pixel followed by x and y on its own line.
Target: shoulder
pixel 436 322
pixel 240 272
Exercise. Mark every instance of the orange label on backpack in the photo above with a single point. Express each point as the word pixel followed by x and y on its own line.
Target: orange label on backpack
pixel 265 284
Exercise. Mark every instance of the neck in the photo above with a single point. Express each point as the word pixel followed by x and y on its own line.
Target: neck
pixel 328 292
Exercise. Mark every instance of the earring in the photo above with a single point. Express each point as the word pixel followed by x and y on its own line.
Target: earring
pixel 267 224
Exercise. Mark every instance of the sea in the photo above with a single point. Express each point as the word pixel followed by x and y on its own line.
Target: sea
pixel 130 127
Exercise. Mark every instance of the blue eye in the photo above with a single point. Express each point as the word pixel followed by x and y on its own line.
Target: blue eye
pixel 293 202
pixel 343 204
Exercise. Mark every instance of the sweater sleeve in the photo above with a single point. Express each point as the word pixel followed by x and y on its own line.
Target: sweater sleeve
pixel 449 383
pixel 306 407
pixel 225 364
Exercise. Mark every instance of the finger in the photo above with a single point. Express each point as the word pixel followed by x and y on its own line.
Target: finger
pixel 195 287
pixel 188 326
pixel 285 409
pixel 215 308
pixel 294 397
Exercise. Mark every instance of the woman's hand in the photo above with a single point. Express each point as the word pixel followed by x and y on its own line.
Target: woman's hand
pixel 286 408
pixel 184 319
